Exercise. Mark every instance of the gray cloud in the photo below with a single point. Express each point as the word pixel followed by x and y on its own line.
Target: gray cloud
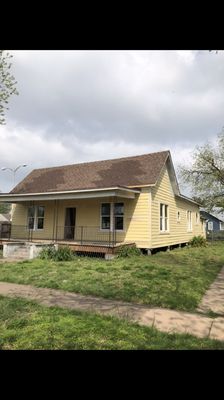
pixel 87 105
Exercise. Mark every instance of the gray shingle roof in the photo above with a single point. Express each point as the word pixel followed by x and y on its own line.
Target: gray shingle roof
pixel 129 171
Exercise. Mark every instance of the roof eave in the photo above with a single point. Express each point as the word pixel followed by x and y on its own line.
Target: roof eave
pixel 187 199
pixel 75 194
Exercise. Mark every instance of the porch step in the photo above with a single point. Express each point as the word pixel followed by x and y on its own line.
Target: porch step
pixel 21 253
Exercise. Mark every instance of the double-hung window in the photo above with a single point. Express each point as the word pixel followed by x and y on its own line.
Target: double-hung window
pixel 105 216
pixel 189 220
pixel 40 217
pixel 197 218
pixel 163 218
pixel 119 216
pixel 112 216
pixel 31 217
pixel 36 217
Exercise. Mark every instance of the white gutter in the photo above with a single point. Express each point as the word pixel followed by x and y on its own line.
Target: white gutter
pixel 71 191
pixel 187 199
pixel 76 194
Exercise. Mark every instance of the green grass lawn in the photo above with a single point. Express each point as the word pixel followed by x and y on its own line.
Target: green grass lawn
pixel 176 279
pixel 26 325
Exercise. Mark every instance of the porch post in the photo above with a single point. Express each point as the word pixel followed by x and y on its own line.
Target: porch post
pixel 113 222
pixel 56 220
pixel 112 219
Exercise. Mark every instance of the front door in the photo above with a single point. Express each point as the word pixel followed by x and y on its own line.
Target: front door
pixel 69 232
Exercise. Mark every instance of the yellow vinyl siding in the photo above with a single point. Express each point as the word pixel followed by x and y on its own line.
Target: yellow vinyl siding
pixel 137 219
pixel 20 221
pixel 177 231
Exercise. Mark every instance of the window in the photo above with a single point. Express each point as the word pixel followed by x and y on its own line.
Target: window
pixel 119 216
pixel 189 221
pixel 31 217
pixel 112 216
pixel 163 217
pixel 105 216
pixel 178 216
pixel 40 217
pixel 197 218
pixel 36 217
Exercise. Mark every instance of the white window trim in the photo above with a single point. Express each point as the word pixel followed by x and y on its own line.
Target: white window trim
pixel 163 232
pixel 189 229
pixel 178 219
pixel 197 219
pixel 111 217
pixel 101 229
pixel 35 228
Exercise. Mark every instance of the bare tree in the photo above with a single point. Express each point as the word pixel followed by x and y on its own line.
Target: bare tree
pixel 206 174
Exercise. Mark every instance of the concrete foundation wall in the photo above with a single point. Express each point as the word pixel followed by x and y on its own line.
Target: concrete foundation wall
pixel 33 249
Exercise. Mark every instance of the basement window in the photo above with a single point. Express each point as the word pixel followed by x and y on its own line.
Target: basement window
pixel 36 217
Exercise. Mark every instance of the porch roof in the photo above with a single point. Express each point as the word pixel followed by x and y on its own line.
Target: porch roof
pixel 117 191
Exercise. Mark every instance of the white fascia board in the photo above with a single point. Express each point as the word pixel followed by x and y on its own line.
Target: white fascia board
pixel 82 194
pixel 181 196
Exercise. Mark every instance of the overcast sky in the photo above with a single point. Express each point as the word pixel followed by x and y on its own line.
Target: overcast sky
pixel 76 106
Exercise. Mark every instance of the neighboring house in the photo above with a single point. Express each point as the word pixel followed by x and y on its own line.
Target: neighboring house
pixel 126 200
pixel 212 223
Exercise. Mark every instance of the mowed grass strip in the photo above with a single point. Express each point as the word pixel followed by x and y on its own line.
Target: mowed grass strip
pixel 176 279
pixel 24 325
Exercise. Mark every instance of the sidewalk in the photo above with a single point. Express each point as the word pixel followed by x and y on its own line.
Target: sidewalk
pixel 164 320
pixel 214 297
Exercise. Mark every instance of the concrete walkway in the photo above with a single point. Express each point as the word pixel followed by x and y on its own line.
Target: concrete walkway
pixel 213 299
pixel 164 320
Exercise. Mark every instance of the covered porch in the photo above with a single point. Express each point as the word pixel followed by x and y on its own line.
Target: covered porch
pixel 85 219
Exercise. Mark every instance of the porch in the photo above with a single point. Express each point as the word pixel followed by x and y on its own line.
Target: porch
pixel 86 222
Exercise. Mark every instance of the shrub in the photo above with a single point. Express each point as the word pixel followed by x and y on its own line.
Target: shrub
pixel 128 251
pixel 47 253
pixel 62 254
pixel 198 241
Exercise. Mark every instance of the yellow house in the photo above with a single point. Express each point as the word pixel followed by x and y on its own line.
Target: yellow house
pixel 98 206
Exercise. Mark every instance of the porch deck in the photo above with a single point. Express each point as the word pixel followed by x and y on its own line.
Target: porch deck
pixel 83 239
pixel 76 246
pixel 103 248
